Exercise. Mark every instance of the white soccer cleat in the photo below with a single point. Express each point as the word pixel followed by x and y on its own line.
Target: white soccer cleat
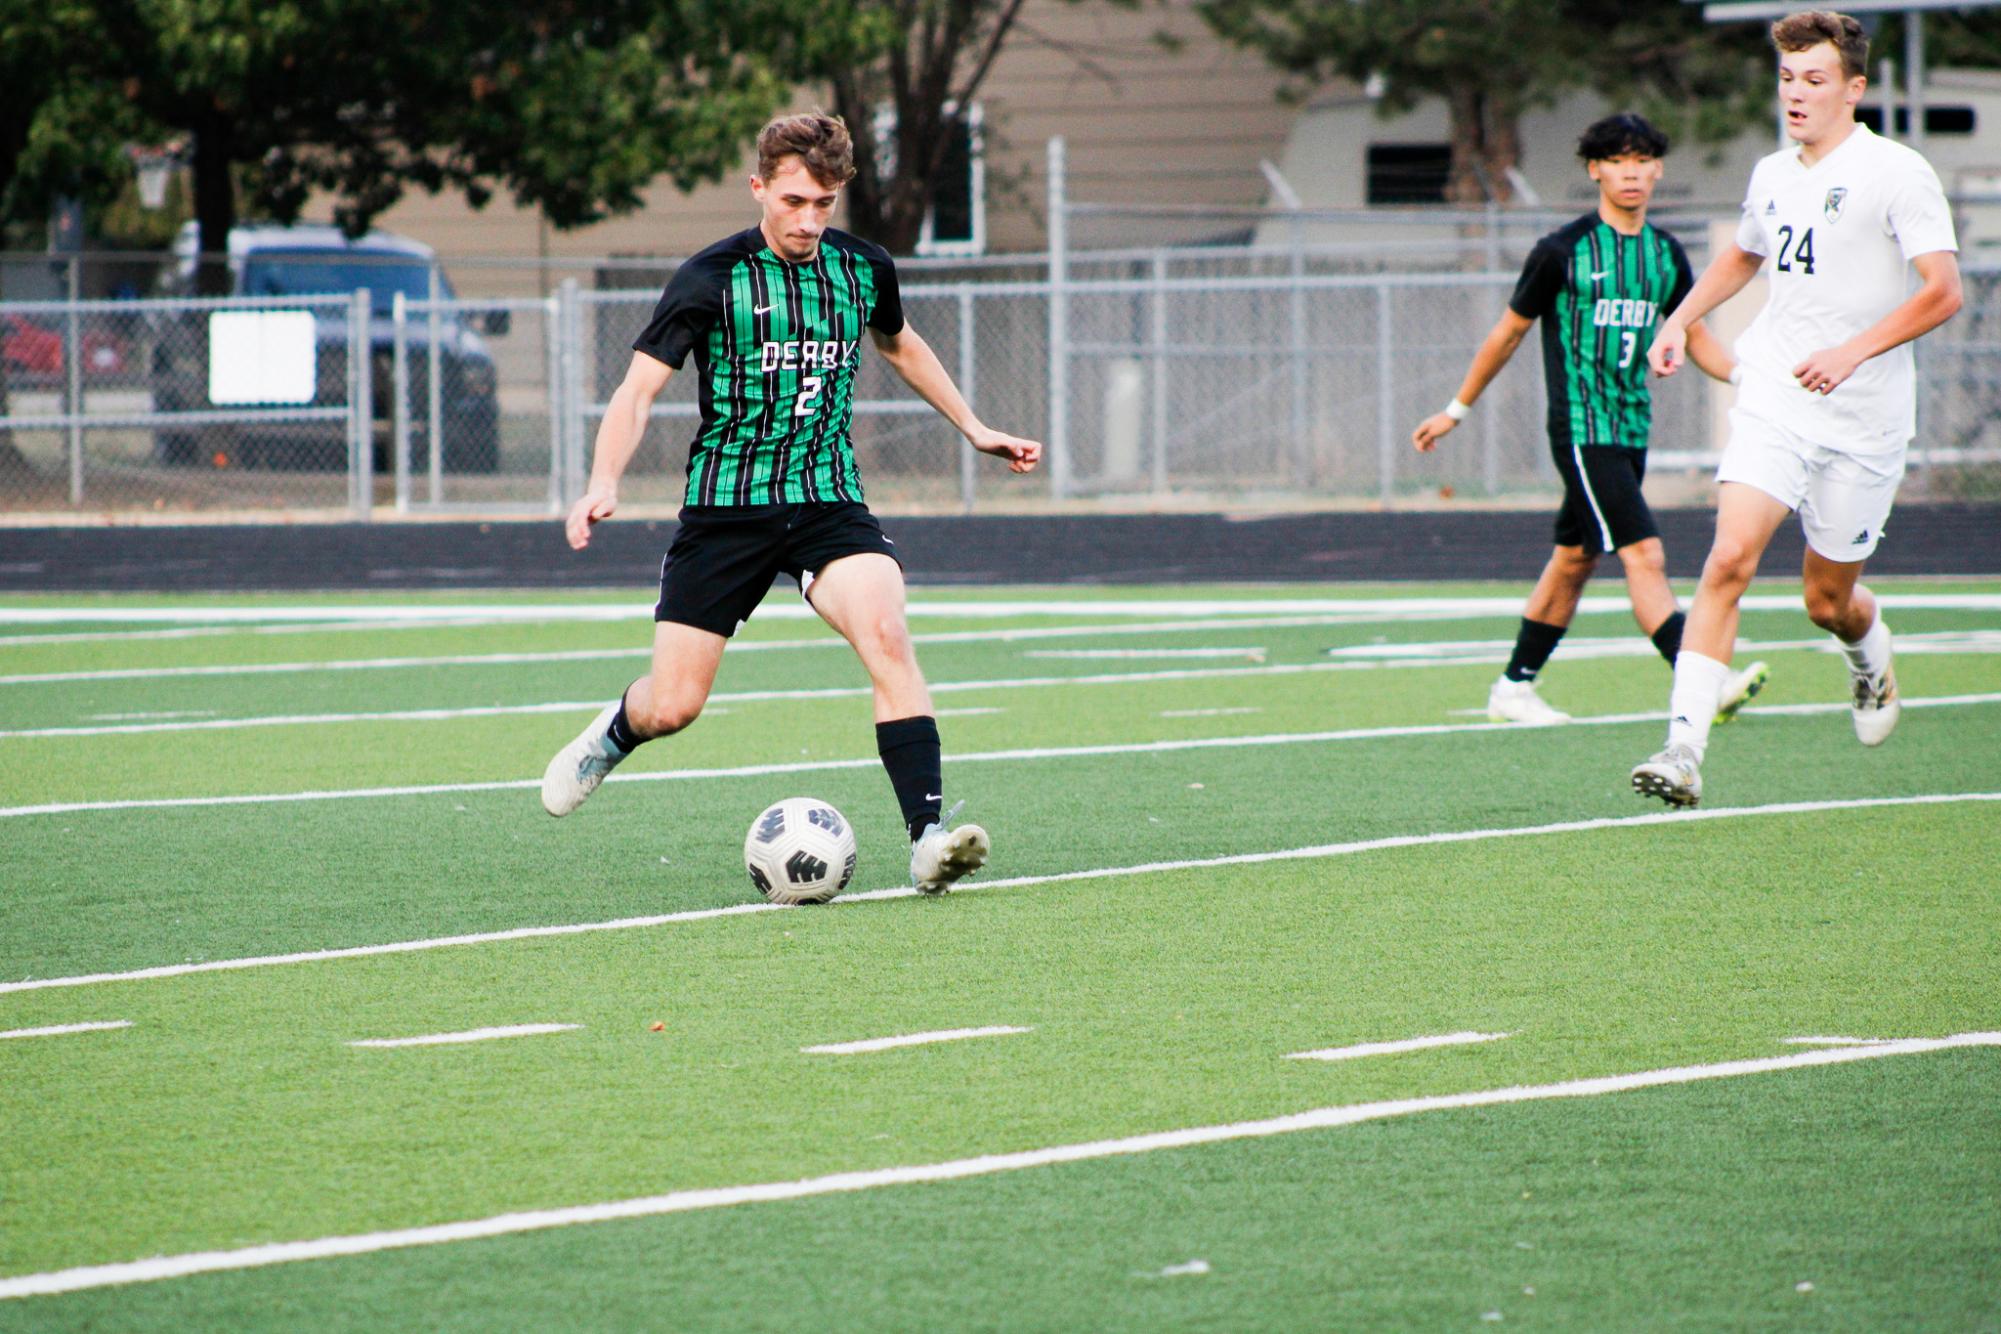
pixel 1876 708
pixel 1673 776
pixel 1517 702
pixel 580 766
pixel 940 857
pixel 1740 689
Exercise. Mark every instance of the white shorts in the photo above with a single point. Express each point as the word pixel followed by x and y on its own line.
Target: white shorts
pixel 1843 499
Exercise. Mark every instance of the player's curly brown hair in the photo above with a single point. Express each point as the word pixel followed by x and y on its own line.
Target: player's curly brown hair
pixel 1811 27
pixel 821 142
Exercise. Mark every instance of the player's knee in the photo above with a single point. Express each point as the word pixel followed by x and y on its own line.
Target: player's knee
pixel 1575 564
pixel 1826 607
pixel 1731 564
pixel 1646 557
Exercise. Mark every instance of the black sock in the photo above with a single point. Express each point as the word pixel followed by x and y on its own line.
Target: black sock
pixel 621 732
pixel 911 752
pixel 1534 642
pixel 1668 637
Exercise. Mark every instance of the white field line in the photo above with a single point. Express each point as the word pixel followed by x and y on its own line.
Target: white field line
pixel 1370 613
pixel 1361 1049
pixel 58 1030
pixel 828 640
pixel 470 1035
pixel 1585 649
pixel 1836 1042
pixel 1015 882
pixel 1211 713
pixel 785 606
pixel 1929 641
pixel 911 1040
pixel 1254 654
pixel 967 757
pixel 687 1201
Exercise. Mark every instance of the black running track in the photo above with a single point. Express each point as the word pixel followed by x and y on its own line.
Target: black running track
pixel 978 549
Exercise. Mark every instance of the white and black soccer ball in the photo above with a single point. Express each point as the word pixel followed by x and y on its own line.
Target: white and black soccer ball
pixel 801 850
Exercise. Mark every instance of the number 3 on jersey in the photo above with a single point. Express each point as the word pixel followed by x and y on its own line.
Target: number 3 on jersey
pixel 1803 255
pixel 809 396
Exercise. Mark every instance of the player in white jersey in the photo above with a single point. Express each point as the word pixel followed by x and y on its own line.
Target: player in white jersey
pixel 1827 405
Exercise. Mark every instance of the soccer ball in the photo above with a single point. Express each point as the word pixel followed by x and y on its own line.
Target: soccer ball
pixel 801 850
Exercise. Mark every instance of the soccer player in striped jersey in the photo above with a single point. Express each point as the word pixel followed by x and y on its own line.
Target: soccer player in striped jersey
pixel 1598 284
pixel 775 317
pixel 1828 404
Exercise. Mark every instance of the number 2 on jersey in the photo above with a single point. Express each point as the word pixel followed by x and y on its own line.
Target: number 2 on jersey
pixel 1803 255
pixel 809 395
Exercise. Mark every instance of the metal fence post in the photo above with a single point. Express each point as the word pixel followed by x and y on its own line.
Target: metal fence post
pixel 1302 454
pixel 1159 368
pixel 576 403
pixel 1386 433
pixel 399 415
pixel 968 387
pixel 552 377
pixel 434 390
pixel 1059 326
pixel 360 408
pixel 73 388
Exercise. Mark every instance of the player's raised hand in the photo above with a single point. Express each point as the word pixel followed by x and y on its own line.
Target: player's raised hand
pixel 1668 350
pixel 1824 370
pixel 597 505
pixel 1425 437
pixel 1021 455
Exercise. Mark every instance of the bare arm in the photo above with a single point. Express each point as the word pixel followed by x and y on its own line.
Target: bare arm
pixel 912 358
pixel 1494 351
pixel 1936 301
pixel 1724 278
pixel 1706 350
pixel 618 436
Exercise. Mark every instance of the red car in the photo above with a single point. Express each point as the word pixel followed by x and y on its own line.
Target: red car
pixel 38 350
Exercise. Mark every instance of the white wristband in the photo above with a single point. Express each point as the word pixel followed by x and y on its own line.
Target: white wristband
pixel 1457 411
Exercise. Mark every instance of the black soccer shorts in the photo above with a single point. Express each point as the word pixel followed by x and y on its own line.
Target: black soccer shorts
pixel 1603 508
pixel 724 558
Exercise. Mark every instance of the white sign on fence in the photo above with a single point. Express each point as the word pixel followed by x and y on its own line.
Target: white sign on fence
pixel 260 356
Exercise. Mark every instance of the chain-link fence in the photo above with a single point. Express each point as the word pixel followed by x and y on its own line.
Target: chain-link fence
pixel 1155 377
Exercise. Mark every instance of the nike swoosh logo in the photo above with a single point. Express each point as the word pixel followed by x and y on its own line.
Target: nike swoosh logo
pixel 760 310
pixel 1602 273
pixel 934 796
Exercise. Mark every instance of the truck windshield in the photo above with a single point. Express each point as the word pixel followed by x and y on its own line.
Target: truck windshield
pixel 283 273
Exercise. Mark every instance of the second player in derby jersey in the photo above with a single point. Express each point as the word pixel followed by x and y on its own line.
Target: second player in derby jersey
pixel 1598 285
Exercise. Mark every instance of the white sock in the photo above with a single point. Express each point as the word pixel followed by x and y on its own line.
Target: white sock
pixel 1698 681
pixel 1870 655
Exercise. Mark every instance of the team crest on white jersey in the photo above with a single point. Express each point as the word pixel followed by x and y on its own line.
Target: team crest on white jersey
pixel 1834 200
pixel 1771 208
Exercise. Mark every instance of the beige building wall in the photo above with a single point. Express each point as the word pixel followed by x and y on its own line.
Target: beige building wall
pixel 1144 122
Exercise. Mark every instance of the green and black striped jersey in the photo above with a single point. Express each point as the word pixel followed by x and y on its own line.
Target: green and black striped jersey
pixel 1599 294
pixel 775 347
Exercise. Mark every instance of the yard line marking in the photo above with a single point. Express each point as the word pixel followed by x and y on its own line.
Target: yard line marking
pixel 1836 1042
pixel 1627 646
pixel 828 640
pixel 1254 654
pixel 968 757
pixel 1611 648
pixel 1391 1048
pixel 911 1040
pixel 786 607
pixel 470 1035
pixel 57 1030
pixel 1208 713
pixel 85 1277
pixel 1099 873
